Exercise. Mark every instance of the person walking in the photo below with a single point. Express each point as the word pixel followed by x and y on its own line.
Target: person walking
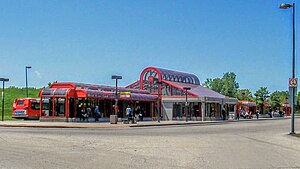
pixel 96 113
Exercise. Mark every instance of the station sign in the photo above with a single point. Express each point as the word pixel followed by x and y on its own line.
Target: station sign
pixel 125 94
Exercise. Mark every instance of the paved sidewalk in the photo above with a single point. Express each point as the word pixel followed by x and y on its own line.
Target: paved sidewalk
pixel 38 124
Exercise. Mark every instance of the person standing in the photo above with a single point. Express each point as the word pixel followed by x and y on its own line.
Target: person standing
pixel 128 113
pixel 223 113
pixel 257 114
pixel 238 114
pixel 88 113
pixel 96 113
pixel 83 114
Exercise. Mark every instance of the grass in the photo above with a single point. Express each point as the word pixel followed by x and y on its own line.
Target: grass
pixel 11 94
pixel 296 135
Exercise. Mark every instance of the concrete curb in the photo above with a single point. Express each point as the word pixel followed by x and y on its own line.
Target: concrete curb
pixel 61 126
pixel 175 123
pixel 204 123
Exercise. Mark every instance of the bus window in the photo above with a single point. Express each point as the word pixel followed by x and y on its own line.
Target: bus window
pixel 20 102
pixel 35 106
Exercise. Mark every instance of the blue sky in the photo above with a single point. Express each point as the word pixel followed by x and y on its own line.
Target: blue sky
pixel 88 41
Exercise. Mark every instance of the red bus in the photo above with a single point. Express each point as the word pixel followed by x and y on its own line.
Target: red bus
pixel 28 108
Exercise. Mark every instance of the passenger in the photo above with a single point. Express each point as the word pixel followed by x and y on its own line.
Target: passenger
pixel 246 115
pixel 141 114
pixel 223 114
pixel 242 113
pixel 79 114
pixel 88 112
pixel 129 113
pixel 257 114
pixel 96 113
pixel 82 114
pixel 238 114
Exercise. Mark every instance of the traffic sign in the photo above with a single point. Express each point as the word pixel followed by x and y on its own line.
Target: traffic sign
pixel 293 82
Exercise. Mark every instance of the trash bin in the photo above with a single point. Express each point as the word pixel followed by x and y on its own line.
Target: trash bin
pixel 113 119
pixel 231 115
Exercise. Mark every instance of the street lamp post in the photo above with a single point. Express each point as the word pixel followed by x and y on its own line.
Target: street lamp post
pixel 27 67
pixel 287 6
pixel 116 94
pixel 186 102
pixel 3 80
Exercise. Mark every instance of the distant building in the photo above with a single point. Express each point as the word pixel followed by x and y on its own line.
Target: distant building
pixel 158 93
pixel 169 86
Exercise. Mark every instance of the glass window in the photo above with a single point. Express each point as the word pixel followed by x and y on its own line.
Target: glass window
pixel 35 106
pixel 147 74
pixel 180 79
pixel 193 80
pixel 20 102
pixel 45 106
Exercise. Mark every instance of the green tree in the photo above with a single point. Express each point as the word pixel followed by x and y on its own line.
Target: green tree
pixel 261 96
pixel 277 98
pixel 226 85
pixel 50 83
pixel 244 94
pixel 214 84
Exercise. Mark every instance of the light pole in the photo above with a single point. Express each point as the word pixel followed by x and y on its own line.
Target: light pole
pixel 116 94
pixel 27 67
pixel 287 6
pixel 3 80
pixel 186 102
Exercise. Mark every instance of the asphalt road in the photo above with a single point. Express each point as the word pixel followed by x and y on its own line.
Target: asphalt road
pixel 241 145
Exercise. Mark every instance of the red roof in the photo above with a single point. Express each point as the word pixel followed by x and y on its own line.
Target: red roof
pixel 70 89
pixel 196 90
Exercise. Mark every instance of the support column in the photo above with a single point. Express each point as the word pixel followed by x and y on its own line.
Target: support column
pixel 67 112
pixel 203 110
pixel 235 111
